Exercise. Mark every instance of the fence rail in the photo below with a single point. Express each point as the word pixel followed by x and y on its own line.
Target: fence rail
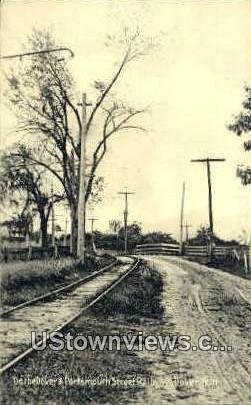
pixel 33 253
pixel 158 248
pixel 238 252
pixel 241 253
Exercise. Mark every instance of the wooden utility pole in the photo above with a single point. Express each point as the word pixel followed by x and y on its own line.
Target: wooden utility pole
pixel 65 233
pixel 75 186
pixel 187 226
pixel 27 238
pixel 125 193
pixel 182 216
pixel 82 185
pixel 92 220
pixel 52 218
pixel 210 204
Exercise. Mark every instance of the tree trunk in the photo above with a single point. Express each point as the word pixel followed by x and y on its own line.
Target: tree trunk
pixel 74 230
pixel 44 229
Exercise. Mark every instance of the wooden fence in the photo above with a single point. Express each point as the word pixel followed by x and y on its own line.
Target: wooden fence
pixel 33 253
pixel 241 253
pixel 158 249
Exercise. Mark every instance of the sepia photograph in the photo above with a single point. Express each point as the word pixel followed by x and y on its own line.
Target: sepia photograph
pixel 125 202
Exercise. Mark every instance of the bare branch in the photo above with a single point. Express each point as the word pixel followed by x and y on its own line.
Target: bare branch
pixel 106 91
pixel 40 163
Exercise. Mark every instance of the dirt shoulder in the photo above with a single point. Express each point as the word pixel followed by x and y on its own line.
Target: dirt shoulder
pixel 207 302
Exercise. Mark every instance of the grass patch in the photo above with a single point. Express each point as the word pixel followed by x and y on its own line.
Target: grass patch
pixel 227 264
pixel 22 281
pixel 133 306
pixel 230 265
pixel 142 299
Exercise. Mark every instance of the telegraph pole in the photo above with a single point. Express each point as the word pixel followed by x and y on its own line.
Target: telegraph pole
pixel 92 220
pixel 187 226
pixel 65 233
pixel 52 218
pixel 82 186
pixel 182 216
pixel 75 186
pixel 210 204
pixel 125 193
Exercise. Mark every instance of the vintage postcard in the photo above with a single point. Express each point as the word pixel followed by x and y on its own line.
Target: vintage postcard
pixel 125 221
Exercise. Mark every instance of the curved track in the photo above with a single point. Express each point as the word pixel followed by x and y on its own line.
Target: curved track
pixel 55 315
pixel 58 291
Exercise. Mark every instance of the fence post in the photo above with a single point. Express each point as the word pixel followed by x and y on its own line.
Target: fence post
pixel 29 253
pixel 245 257
pixel 55 251
pixel 5 254
pixel 249 257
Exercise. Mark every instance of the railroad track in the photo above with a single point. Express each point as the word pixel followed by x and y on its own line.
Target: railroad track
pixel 40 315
pixel 57 291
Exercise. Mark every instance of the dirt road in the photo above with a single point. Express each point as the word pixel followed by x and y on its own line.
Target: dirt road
pixel 201 301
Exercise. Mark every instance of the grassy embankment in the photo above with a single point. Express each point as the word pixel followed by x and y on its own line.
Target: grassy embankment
pixel 132 307
pixel 227 264
pixel 22 281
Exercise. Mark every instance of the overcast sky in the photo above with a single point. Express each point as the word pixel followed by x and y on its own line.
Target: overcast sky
pixel 193 83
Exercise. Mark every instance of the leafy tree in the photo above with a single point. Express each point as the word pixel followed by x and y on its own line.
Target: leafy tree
pixel 158 237
pixel 19 225
pixel 42 93
pixel 242 126
pixel 134 234
pixel 20 181
pixel 203 237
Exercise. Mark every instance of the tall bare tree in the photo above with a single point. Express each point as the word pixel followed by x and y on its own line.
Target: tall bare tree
pixel 42 93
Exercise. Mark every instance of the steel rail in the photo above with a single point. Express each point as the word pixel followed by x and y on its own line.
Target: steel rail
pixel 58 290
pixel 97 298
